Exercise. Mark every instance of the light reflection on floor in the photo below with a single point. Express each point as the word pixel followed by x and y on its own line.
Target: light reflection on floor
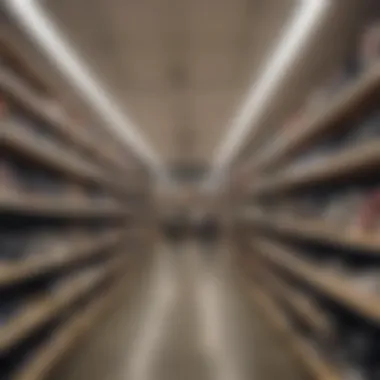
pixel 186 319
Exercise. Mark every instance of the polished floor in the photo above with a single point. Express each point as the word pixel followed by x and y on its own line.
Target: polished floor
pixel 186 316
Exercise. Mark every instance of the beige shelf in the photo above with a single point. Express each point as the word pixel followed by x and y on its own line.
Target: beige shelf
pixel 38 312
pixel 57 206
pixel 313 362
pixel 320 231
pixel 35 314
pixel 49 354
pixel 46 154
pixel 334 285
pixel 22 141
pixel 12 54
pixel 354 101
pixel 299 303
pixel 330 168
pixel 39 107
pixel 14 272
pixel 49 155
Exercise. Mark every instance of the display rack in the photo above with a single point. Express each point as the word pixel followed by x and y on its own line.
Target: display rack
pixel 69 221
pixel 310 228
pixel 310 359
pixel 352 103
pixel 47 356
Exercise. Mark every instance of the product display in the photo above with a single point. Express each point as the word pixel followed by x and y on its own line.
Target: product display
pixel 351 209
pixel 49 244
pixel 316 219
pixel 14 244
pixel 54 265
pixel 367 130
pixel 8 309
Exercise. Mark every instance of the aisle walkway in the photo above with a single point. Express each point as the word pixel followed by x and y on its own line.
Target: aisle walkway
pixel 185 319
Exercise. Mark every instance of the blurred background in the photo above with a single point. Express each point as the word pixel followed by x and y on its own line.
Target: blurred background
pixel 189 189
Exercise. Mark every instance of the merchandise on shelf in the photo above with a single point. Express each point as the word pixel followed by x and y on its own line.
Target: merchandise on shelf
pixel 8 309
pixel 14 244
pixel 6 175
pixel 347 205
pixel 34 181
pixel 367 219
pixel 49 244
pixel 368 130
pixel 48 164
pixel 342 208
pixel 318 100
pixel 366 281
pixel 20 119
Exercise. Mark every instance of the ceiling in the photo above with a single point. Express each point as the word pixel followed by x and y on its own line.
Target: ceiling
pixel 178 67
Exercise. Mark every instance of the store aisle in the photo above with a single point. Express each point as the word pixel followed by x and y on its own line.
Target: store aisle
pixel 184 319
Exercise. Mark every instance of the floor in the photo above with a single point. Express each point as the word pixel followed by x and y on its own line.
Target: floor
pixel 186 318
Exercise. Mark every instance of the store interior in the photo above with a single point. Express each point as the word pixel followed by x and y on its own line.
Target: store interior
pixel 189 190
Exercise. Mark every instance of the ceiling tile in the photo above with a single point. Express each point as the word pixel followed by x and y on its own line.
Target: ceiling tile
pixel 216 20
pixel 146 70
pixel 154 114
pixel 141 23
pixel 217 69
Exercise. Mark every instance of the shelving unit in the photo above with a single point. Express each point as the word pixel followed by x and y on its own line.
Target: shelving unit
pixel 308 311
pixel 338 287
pixel 318 230
pixel 43 108
pixel 309 227
pixel 334 167
pixel 352 103
pixel 84 249
pixel 54 155
pixel 47 356
pixel 310 359
pixel 70 223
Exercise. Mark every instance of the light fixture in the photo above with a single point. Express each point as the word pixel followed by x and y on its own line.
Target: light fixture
pixel 46 34
pixel 307 16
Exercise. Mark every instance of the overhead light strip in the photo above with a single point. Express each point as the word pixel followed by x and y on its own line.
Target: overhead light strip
pixel 38 24
pixel 306 18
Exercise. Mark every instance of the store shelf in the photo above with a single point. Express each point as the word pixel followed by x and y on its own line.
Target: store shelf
pixel 49 155
pixel 317 367
pixel 39 107
pixel 25 143
pixel 46 262
pixel 38 312
pixel 336 286
pixel 354 101
pixel 320 231
pixel 44 359
pixel 83 181
pixel 12 53
pixel 298 302
pixel 57 206
pixel 334 167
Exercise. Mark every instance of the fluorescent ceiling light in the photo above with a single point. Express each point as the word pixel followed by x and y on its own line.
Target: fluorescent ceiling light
pixel 306 18
pixel 38 24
